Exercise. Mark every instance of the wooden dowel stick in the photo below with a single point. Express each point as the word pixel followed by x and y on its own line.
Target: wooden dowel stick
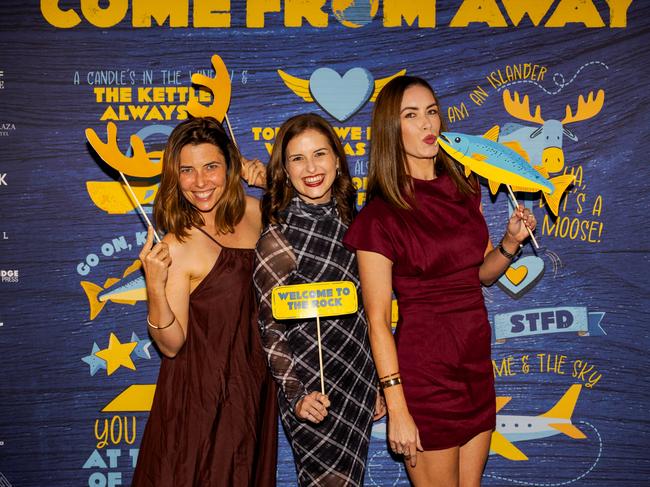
pixel 320 357
pixel 514 202
pixel 232 134
pixel 135 200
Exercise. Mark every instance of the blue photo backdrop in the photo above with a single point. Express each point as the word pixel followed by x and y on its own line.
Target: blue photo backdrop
pixel 566 79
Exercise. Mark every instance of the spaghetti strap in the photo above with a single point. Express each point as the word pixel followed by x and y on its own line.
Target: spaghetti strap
pixel 209 236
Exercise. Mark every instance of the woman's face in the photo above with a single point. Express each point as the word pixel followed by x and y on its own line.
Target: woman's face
pixel 202 175
pixel 311 166
pixel 420 122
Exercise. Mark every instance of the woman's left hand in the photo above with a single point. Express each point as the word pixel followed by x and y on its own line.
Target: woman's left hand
pixel 521 218
pixel 253 171
pixel 380 407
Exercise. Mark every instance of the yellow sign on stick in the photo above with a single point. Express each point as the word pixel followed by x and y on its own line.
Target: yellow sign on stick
pixel 319 299
pixel 315 300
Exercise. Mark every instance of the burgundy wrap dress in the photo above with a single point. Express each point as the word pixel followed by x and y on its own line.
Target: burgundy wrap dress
pixel 443 336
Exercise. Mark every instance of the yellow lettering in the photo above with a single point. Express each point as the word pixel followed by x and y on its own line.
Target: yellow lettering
pixel 310 10
pixel 268 133
pixel 457 113
pixel 342 132
pixel 422 10
pixel 596 227
pixel 535 9
pixel 104 17
pixel 160 10
pixel 168 110
pixel 547 228
pixel 575 11
pixel 103 436
pixel 130 440
pixel 182 112
pixel 478 11
pixel 211 13
pixel 154 114
pixel 580 199
pixel 255 10
pixel 505 368
pixel 478 95
pixel 116 437
pixel 618 12
pixel 109 114
pixel 598 206
pixel 63 19
pixel 360 184
pixel 138 112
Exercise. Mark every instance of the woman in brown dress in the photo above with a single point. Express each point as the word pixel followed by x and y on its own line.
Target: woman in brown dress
pixel 213 419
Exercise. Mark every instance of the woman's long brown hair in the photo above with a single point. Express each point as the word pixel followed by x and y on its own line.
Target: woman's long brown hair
pixel 388 175
pixel 280 191
pixel 172 212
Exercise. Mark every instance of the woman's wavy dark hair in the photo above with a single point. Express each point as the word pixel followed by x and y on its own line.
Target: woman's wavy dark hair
pixel 279 190
pixel 388 175
pixel 172 212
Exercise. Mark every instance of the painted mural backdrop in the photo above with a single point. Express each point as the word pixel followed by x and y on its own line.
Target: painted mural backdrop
pixel 89 88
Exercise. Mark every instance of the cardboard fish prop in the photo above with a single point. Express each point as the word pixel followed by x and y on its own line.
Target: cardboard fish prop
pixel 128 290
pixel 503 164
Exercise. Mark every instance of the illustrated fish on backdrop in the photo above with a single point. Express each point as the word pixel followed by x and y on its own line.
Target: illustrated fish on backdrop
pixel 503 163
pixel 128 290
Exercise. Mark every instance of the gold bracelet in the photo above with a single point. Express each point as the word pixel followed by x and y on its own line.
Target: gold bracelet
pixel 390 382
pixel 160 327
pixel 388 376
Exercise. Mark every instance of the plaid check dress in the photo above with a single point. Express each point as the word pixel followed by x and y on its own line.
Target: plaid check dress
pixel 307 248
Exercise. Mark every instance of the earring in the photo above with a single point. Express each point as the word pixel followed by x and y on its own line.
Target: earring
pixel 338 171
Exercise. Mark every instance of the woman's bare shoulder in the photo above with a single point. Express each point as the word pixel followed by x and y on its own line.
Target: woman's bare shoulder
pixel 253 213
pixel 253 206
pixel 180 249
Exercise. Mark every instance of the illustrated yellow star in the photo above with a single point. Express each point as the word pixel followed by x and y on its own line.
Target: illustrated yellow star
pixel 117 354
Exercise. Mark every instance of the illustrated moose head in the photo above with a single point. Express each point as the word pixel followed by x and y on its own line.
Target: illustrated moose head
pixel 544 143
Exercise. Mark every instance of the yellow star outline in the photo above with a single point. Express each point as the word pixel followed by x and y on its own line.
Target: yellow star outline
pixel 117 354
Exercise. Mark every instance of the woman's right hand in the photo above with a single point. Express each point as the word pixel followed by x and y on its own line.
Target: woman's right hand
pixel 253 172
pixel 403 436
pixel 312 407
pixel 155 262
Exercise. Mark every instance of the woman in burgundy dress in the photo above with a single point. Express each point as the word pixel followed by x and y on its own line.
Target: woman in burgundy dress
pixel 213 421
pixel 423 235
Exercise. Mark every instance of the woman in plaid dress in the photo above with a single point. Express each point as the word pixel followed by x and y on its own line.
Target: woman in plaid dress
pixel 307 209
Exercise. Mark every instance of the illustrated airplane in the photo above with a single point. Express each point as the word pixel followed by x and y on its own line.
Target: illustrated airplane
pixel 512 429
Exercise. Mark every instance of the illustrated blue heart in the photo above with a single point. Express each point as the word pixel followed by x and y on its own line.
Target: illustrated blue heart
pixel 344 96
pixel 515 282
